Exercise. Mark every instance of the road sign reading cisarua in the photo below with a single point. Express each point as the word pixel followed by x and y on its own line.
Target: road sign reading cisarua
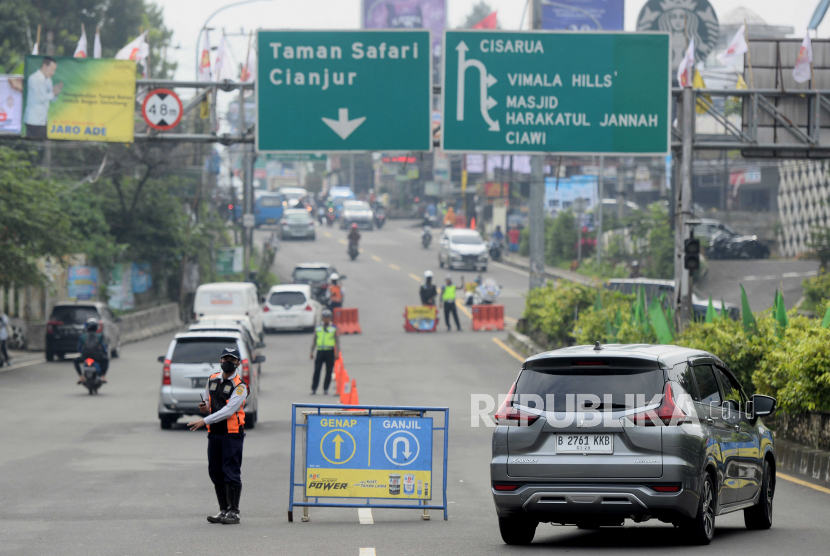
pixel 556 92
pixel 344 91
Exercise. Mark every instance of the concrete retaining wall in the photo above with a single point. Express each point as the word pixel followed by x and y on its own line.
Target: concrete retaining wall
pixel 810 429
pixel 522 344
pixel 803 462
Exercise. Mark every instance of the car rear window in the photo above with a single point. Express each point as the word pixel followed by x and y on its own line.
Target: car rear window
pixel 467 239
pixel 311 274
pixel 287 298
pixel 627 387
pixel 74 314
pixel 200 350
pixel 298 217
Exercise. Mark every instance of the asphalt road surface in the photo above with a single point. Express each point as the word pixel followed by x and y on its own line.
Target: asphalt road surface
pixel 88 475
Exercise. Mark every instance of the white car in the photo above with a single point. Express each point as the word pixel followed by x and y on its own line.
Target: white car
pixel 290 306
pixel 462 248
pixel 226 322
pixel 238 299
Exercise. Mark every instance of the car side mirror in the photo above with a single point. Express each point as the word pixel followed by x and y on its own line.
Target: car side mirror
pixel 161 358
pixel 763 405
pixel 259 359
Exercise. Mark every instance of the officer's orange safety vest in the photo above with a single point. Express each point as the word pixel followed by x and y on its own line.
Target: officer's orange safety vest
pixel 220 391
pixel 336 294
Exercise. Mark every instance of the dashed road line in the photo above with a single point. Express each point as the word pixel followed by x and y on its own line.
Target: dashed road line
pixel 803 483
pixel 415 277
pixel 506 348
pixel 343 241
pixel 327 234
pixel 376 258
pixel 367 552
pixel 394 266
pixel 365 516
pixel 511 320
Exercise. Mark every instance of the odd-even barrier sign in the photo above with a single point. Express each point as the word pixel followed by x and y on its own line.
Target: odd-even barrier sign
pixel 570 93
pixel 344 91
pixel 369 457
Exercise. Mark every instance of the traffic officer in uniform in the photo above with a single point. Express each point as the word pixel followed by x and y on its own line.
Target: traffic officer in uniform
pixel 448 301
pixel 225 396
pixel 327 343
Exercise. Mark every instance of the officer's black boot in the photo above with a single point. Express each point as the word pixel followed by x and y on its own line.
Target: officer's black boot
pixel 234 491
pixel 223 505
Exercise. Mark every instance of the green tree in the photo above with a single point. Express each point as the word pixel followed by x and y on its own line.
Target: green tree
pixel 561 238
pixel 480 10
pixel 651 231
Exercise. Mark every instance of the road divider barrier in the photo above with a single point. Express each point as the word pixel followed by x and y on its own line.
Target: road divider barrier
pixel 420 318
pixel 488 317
pixel 346 320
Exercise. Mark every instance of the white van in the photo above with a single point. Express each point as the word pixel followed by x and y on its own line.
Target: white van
pixel 229 298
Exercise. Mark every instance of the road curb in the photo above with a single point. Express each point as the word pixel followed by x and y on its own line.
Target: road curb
pixel 523 344
pixel 554 273
pixel 804 462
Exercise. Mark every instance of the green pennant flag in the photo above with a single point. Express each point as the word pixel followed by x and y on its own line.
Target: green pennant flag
pixel 781 313
pixel 775 304
pixel 660 324
pixel 598 302
pixel 722 314
pixel 825 323
pixel 617 321
pixel 635 309
pixel 710 312
pixel 750 326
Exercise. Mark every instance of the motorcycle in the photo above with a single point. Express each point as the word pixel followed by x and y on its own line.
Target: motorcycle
pixel 726 245
pixel 321 215
pixel 380 218
pixel 495 249
pixel 426 238
pixel 431 221
pixel 92 375
pixel 353 251
pixel 330 217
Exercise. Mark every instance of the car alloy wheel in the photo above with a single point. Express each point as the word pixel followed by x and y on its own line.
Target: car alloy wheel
pixel 708 509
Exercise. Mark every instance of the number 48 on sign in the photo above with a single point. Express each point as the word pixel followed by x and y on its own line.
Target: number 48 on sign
pixel 162 109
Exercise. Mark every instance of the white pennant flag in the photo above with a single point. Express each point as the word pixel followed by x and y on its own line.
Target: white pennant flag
pixel 96 47
pixel 686 69
pixel 803 65
pixel 249 69
pixel 80 50
pixel 134 49
pixel 203 73
pixel 223 66
pixel 35 50
pixel 737 47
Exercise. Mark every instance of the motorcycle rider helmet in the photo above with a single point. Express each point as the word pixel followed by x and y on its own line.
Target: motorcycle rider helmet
pixel 428 274
pixel 354 225
pixel 91 325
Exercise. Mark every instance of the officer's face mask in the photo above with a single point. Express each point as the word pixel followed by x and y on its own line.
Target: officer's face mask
pixel 228 367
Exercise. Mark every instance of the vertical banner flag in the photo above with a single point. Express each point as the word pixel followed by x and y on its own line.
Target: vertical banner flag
pixel 686 70
pixel 78 99
pixel 80 50
pixel 223 66
pixel 136 50
pixel 804 64
pixel 11 103
pixel 204 59
pixel 584 15
pixel 737 47
pixel 96 48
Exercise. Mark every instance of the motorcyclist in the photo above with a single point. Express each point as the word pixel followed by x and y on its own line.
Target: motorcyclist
pixel 334 293
pixel 470 290
pixel 426 233
pixel 428 291
pixel 354 235
pixel 498 235
pixel 488 291
pixel 91 345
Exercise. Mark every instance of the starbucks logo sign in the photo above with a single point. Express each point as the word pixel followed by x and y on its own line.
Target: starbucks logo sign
pixel 682 19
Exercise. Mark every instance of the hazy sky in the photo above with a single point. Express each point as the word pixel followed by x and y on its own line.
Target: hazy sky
pixel 186 17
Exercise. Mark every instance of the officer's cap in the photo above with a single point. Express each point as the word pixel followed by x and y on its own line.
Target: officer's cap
pixel 231 352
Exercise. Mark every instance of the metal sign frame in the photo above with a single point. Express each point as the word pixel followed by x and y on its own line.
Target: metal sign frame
pixel 361 410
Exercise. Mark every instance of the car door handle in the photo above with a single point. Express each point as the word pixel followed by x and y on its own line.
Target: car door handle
pixel 710 422
pixel 737 428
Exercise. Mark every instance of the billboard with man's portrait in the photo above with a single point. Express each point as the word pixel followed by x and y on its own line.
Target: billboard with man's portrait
pixel 78 99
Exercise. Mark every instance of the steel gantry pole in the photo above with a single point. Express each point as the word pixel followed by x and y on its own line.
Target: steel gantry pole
pixel 683 213
pixel 537 223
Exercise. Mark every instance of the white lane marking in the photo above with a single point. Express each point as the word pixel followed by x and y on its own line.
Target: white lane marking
pixel 780 277
pixel 367 552
pixel 20 365
pixel 410 233
pixel 510 268
pixel 365 516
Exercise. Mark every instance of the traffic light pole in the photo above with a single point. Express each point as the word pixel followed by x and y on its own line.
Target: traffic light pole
pixel 683 213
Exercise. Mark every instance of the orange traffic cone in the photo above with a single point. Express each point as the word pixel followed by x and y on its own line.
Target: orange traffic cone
pixel 345 389
pixel 338 368
pixel 473 223
pixel 354 399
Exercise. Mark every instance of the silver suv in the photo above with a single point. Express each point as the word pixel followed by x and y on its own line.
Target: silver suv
pixel 593 435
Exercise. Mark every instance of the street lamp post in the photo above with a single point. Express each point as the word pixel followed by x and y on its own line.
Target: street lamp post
pixel 211 16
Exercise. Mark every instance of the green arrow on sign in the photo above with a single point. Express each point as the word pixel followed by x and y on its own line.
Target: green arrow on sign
pixel 337 442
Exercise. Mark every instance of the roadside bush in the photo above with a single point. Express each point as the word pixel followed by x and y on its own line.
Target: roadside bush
pixel 816 289
pixel 550 311
pixel 601 325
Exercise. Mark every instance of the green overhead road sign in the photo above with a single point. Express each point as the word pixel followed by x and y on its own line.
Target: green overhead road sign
pixel 549 92
pixel 329 91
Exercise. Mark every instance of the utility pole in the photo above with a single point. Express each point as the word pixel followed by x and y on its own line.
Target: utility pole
pixel 683 213
pixel 351 171
pixel 537 223
pixel 600 195
pixel 47 154
pixel 247 190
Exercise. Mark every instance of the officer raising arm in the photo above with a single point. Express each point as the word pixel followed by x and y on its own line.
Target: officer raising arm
pixel 327 343
pixel 225 396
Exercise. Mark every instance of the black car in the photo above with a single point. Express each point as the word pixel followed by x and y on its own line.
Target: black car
pixel 66 324
pixel 729 245
pixel 317 276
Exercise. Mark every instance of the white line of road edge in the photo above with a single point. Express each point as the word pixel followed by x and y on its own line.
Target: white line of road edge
pixel 365 516
pixel 367 552
pixel 20 365
pixel 510 268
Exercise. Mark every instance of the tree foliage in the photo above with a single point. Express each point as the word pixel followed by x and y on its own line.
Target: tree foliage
pixel 478 12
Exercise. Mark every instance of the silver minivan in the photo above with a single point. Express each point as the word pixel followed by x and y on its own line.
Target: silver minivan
pixel 460 248
pixel 593 435
pixel 190 360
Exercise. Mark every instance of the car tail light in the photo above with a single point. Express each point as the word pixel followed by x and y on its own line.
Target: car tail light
pixel 308 308
pixel 669 413
pixel 50 326
pixel 246 372
pixel 165 373
pixel 100 327
pixel 505 488
pixel 265 309
pixel 665 488
pixel 509 415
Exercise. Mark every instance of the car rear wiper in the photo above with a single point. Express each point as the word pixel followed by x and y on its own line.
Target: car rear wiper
pixel 603 407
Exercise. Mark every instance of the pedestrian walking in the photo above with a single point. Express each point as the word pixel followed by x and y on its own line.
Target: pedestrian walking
pixel 224 399
pixel 327 343
pixel 4 337
pixel 448 301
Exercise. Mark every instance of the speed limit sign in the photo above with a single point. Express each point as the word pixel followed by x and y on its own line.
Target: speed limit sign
pixel 162 109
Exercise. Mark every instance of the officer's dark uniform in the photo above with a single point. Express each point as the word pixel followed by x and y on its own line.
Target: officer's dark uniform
pixel 225 438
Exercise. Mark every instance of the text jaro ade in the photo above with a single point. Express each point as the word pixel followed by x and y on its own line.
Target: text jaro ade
pixel 327 78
